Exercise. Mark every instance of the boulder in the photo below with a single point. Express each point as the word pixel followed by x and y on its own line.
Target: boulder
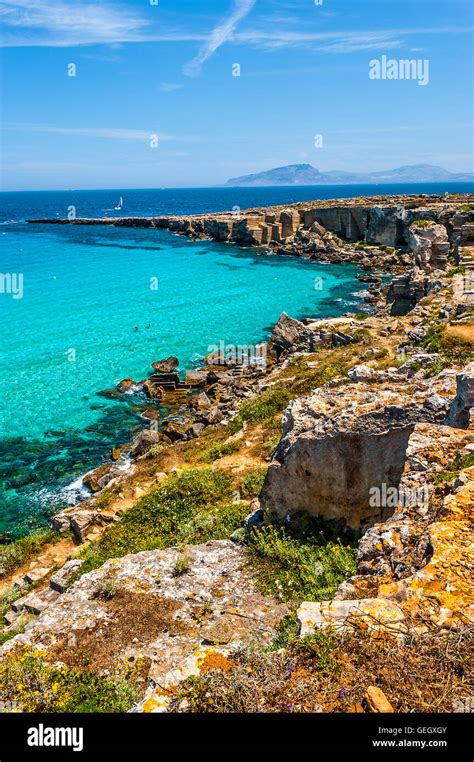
pixel 213 416
pixel 100 477
pixel 167 365
pixel 81 521
pixel 125 385
pixel 291 335
pixel 195 430
pixel 60 579
pixel 377 700
pixel 335 449
pixel 196 377
pixel 152 390
pixel 361 373
pixel 174 431
pixel 143 442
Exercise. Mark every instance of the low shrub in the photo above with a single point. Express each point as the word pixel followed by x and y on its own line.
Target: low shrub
pixel 17 552
pixel 28 683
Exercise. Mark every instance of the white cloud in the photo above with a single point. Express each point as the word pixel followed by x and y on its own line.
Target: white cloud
pixel 60 23
pixel 219 35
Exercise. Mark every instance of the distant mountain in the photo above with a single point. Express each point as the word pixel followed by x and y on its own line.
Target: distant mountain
pixel 305 174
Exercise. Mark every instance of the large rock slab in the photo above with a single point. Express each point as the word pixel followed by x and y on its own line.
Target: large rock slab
pixel 336 447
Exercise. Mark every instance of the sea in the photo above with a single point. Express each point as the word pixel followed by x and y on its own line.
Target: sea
pixel 83 307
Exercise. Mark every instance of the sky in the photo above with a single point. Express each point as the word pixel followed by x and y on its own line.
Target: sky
pixel 155 100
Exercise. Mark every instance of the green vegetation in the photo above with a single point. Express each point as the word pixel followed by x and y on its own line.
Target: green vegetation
pixel 217 451
pixel 321 646
pixel 303 560
pixel 263 407
pixel 287 632
pixel 30 684
pixel 106 497
pixel 448 475
pixel 422 223
pixel 454 350
pixel 17 552
pixel 181 564
pixel 9 597
pixel 252 483
pixel 362 336
pixel 191 506
pixel 107 587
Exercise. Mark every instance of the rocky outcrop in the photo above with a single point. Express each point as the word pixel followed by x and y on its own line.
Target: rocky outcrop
pixel 336 448
pixel 416 565
pixel 430 245
pixel 141 607
pixel 406 290
pixel 102 476
pixel 291 334
pixel 165 366
pixel 316 228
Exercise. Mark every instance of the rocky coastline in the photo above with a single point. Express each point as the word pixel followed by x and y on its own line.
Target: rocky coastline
pixel 338 409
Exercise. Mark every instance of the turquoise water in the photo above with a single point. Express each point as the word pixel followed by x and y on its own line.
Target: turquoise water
pixel 73 333
pixel 86 289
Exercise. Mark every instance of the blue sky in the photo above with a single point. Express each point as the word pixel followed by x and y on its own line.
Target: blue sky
pixel 144 69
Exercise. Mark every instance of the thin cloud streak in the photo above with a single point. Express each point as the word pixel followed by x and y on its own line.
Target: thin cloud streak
pixel 219 35
pixel 109 133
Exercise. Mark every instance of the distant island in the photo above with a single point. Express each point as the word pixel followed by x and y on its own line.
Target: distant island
pixel 306 174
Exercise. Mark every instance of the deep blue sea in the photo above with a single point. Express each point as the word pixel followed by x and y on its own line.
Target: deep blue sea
pixel 90 314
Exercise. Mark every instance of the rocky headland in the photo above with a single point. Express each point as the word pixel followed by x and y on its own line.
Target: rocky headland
pixel 293 534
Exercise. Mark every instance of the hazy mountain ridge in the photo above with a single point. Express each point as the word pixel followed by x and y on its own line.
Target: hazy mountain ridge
pixel 306 174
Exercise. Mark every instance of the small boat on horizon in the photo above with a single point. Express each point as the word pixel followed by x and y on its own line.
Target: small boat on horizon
pixel 120 204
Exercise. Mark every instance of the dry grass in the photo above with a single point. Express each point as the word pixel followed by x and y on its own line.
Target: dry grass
pixel 132 620
pixel 331 673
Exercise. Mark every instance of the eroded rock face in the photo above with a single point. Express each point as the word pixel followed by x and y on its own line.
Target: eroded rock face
pixel 406 290
pixel 430 245
pixel 155 614
pixel 416 565
pixel 335 448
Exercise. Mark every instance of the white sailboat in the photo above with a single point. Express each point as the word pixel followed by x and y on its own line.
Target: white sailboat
pixel 120 204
